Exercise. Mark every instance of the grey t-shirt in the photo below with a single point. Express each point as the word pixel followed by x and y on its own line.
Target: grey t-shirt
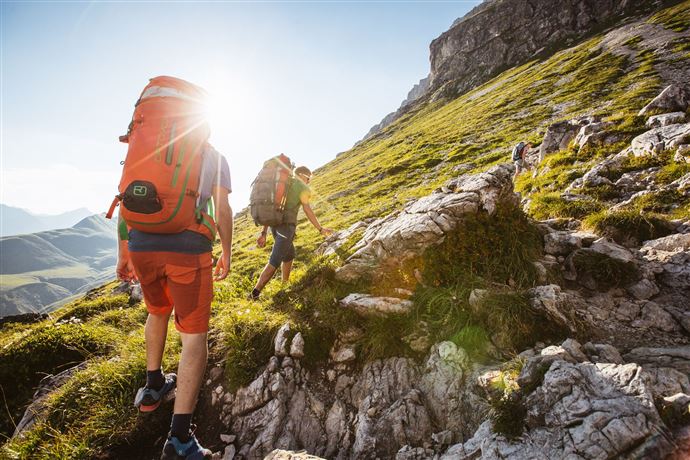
pixel 214 171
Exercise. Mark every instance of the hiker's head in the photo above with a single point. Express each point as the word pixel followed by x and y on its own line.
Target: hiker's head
pixel 303 173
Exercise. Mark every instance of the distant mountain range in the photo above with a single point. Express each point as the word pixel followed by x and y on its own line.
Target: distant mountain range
pixel 39 269
pixel 17 221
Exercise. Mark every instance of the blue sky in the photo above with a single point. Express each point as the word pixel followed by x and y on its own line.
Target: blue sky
pixel 305 78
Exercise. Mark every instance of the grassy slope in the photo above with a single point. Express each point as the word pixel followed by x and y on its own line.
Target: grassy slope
pixel 409 159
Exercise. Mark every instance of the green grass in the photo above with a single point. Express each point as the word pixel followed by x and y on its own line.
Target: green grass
pixel 628 225
pixel 552 205
pixel 676 18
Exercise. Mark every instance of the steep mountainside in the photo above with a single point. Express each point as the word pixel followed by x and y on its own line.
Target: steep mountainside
pixel 43 268
pixel 456 314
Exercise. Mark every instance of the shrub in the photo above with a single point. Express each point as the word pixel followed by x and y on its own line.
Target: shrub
pixel 508 415
pixel 606 271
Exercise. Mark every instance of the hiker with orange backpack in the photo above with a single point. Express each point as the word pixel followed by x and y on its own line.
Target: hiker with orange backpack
pixel 171 182
pixel 279 212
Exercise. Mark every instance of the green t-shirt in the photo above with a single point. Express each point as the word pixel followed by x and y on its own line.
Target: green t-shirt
pixel 296 192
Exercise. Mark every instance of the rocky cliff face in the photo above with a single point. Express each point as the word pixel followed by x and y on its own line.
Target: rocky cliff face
pixel 505 33
pixel 618 388
pixel 500 34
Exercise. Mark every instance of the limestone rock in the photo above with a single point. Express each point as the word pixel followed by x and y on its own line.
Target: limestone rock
pixel 297 346
pixel 334 242
pixel 368 305
pixel 657 140
pixel 281 340
pixel 558 136
pixel 613 250
pixel 665 119
pixel 280 454
pixel 643 289
pixel 423 223
pixel 682 154
pixel 673 98
pixel 560 243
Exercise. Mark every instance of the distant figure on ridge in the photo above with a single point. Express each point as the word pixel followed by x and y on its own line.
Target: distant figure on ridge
pixel 519 153
pixel 171 175
pixel 280 214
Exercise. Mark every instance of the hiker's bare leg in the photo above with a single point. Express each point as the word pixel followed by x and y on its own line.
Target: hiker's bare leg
pixel 190 371
pixel 286 267
pixel 155 331
pixel 265 277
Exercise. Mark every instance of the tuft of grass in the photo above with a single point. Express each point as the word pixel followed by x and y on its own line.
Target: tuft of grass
pixel 243 336
pixel 628 227
pixel 497 248
pixel 671 172
pixel 508 415
pixel 84 309
pixel 553 205
pixel 676 18
pixel 49 349
pixel 473 339
pixel 606 271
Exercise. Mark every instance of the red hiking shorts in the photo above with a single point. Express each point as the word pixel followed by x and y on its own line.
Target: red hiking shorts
pixel 183 282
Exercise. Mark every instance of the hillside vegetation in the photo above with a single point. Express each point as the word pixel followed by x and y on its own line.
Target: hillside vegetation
pixel 91 415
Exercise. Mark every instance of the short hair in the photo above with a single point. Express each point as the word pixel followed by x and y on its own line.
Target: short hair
pixel 303 171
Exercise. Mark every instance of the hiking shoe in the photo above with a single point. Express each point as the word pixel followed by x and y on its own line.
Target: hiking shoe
pixel 254 295
pixel 174 449
pixel 148 399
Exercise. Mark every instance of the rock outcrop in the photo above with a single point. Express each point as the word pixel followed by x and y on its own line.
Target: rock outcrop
pixel 354 414
pixel 500 34
pixel 392 240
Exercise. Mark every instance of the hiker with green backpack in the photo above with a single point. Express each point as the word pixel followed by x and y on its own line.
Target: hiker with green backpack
pixel 277 195
pixel 520 151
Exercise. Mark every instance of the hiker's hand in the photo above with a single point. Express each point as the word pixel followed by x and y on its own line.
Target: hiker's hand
pixel 326 231
pixel 261 241
pixel 222 267
pixel 125 269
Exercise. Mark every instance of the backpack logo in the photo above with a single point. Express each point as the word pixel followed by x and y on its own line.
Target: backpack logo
pixel 139 190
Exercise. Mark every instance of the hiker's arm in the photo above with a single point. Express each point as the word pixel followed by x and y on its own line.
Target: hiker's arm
pixel 124 268
pixel 314 221
pixel 224 223
pixel 261 240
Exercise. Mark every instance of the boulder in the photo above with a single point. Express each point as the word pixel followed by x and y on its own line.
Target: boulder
pixel 682 154
pixel 655 141
pixel 561 243
pixel 297 346
pixel 424 223
pixel 335 241
pixel 369 305
pixel 280 454
pixel 665 119
pixel 558 137
pixel 673 98
pixel 581 410
pixel 280 343
pixel 613 250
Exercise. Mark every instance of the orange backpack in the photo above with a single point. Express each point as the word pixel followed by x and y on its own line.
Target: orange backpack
pixel 160 176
